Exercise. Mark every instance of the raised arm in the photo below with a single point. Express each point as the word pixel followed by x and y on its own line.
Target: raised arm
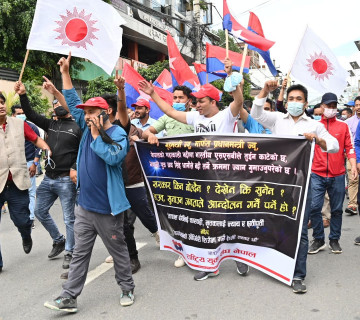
pixel 121 113
pixel 238 102
pixel 147 87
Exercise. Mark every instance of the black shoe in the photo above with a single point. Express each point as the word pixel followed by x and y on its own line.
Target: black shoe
pixel 335 246
pixel 298 286
pixel 316 246
pixel 64 275
pixel 0 269
pixel 33 224
pixel 27 245
pixel 62 304
pixel 67 260
pixel 203 275
pixel 58 247
pixel 242 268
pixel 357 241
pixel 135 265
pixel 352 211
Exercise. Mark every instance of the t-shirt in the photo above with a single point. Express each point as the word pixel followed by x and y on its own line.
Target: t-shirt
pixel 222 122
pixel 171 126
pixel 253 126
pixel 93 178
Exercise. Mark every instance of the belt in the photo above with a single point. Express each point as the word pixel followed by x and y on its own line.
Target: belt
pixel 54 175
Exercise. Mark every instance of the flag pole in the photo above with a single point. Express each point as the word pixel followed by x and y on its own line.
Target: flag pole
pixel 207 77
pixel 227 42
pixel 243 58
pixel 24 64
pixel 297 51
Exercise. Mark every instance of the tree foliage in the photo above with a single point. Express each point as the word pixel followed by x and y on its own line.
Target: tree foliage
pixel 154 70
pixel 38 103
pixel 99 86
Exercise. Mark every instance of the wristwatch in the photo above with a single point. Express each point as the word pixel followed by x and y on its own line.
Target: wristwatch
pixel 35 163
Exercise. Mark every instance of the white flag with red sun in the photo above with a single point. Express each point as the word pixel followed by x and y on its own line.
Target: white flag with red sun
pixel 317 66
pixel 89 29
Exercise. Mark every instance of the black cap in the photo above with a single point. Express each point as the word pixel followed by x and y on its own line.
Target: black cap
pixel 329 97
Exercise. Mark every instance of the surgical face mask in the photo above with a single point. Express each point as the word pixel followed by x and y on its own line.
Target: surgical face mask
pixel 295 108
pixel 317 117
pixel 21 116
pixel 330 113
pixel 179 106
pixel 344 117
pixel 232 81
pixel 60 111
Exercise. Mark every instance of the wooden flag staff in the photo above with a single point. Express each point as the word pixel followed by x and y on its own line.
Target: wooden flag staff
pixel 24 64
pixel 243 58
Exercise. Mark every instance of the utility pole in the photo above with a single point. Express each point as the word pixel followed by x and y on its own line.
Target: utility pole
pixel 197 22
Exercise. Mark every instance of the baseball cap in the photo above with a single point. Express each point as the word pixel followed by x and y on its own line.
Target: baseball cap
pixel 141 103
pixel 328 98
pixel 207 90
pixel 97 102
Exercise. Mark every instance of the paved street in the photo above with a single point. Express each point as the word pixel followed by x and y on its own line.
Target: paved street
pixel 164 292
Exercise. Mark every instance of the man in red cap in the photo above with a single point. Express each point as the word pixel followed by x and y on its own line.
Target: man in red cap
pixel 102 198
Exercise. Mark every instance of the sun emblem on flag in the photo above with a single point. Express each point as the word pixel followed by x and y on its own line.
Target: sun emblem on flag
pixel 76 29
pixel 320 66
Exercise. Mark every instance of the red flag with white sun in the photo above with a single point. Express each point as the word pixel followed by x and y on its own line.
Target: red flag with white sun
pixel 89 29
pixel 317 66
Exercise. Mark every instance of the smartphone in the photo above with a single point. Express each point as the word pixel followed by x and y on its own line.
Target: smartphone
pixel 104 115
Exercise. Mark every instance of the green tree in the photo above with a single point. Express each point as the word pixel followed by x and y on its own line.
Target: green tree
pixel 11 99
pixel 99 86
pixel 154 70
pixel 38 103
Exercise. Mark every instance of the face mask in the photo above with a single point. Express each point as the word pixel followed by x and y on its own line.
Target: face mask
pixel 330 113
pixel 179 106
pixel 343 117
pixel 21 116
pixel 317 118
pixel 232 81
pixel 60 111
pixel 295 108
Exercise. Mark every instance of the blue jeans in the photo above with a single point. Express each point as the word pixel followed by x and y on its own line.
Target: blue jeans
pixel 46 194
pixel 18 204
pixel 300 265
pixel 140 206
pixel 32 192
pixel 336 189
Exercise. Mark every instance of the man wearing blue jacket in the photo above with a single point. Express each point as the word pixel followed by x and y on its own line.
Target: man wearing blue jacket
pixel 101 201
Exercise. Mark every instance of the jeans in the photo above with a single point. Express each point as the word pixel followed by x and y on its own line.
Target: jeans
pixel 32 192
pixel 300 265
pixel 46 194
pixel 18 204
pixel 335 186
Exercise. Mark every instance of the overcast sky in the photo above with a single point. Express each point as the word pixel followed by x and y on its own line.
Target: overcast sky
pixel 284 21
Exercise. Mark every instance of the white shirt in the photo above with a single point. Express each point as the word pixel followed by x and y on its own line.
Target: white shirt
pixel 222 122
pixel 283 124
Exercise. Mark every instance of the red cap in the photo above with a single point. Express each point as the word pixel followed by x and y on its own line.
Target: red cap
pixel 97 102
pixel 141 103
pixel 207 90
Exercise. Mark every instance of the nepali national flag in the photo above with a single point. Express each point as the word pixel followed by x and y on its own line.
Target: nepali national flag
pixel 132 78
pixel 201 72
pixel 215 57
pixel 164 80
pixel 254 25
pixel 180 71
pixel 238 31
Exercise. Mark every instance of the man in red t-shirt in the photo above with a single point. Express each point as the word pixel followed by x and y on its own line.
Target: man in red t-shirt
pixel 14 178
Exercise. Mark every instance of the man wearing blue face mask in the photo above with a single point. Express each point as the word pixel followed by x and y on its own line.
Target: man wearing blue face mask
pixel 317 113
pixel 32 158
pixel 182 100
pixel 295 122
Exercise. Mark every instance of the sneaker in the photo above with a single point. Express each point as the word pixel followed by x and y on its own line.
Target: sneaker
pixel 179 262
pixel 62 304
pixel 335 246
pixel 67 260
pixel 357 241
pixel 352 211
pixel 33 224
pixel 27 245
pixel 135 265
pixel 242 268
pixel 157 238
pixel 58 247
pixel 127 298
pixel 316 246
pixel 298 286
pixel 203 275
pixel 64 276
pixel 109 259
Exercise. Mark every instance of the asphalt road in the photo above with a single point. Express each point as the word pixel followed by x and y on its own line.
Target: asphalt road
pixel 164 292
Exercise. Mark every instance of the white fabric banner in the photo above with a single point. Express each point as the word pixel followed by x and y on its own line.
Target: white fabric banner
pixel 317 66
pixel 89 29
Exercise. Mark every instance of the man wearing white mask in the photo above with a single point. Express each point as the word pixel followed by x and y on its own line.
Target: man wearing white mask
pixel 328 174
pixel 295 122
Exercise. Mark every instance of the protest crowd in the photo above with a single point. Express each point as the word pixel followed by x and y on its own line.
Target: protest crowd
pixel 93 168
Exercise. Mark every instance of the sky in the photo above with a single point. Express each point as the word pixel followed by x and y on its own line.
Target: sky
pixel 284 21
